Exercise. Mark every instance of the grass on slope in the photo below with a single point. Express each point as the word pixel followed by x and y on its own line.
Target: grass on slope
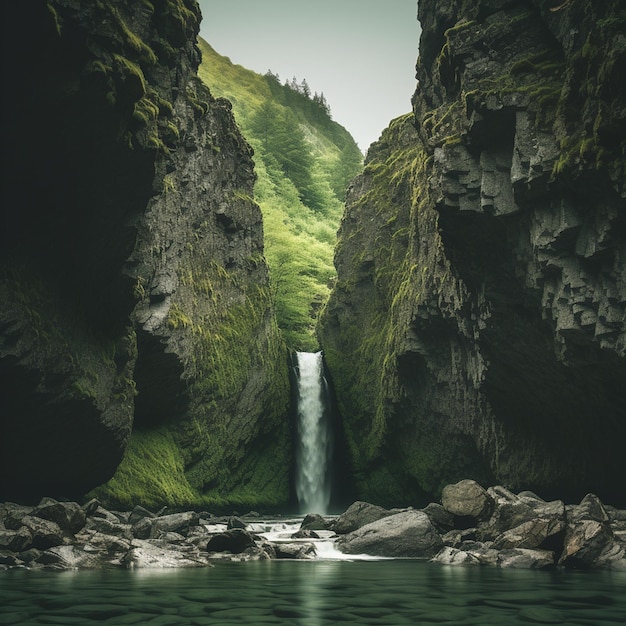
pixel 304 162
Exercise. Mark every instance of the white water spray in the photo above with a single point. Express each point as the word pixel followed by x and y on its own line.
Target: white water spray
pixel 315 442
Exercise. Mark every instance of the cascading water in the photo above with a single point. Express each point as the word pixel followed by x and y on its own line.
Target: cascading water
pixel 315 438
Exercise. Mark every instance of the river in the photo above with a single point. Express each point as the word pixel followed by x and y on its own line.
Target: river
pixel 311 593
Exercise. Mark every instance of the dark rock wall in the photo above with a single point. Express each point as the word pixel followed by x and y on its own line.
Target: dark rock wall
pixel 133 282
pixel 477 325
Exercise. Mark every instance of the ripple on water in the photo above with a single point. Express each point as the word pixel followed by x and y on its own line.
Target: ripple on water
pixel 320 593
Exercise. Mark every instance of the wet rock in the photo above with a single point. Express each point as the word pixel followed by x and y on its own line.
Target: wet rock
pixel 526 559
pixel 236 541
pixel 315 521
pixel 69 557
pixel 406 534
pixel 154 553
pixel 305 534
pixel 294 550
pixel 467 499
pixel 357 515
pixel 454 556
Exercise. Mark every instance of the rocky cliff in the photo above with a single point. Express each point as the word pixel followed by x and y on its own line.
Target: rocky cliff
pixel 477 325
pixel 134 292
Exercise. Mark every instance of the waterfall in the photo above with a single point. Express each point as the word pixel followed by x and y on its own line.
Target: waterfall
pixel 315 440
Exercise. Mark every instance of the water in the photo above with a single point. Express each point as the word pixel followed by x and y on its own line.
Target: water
pixel 314 593
pixel 314 445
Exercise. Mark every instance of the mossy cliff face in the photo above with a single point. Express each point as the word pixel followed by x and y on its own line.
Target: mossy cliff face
pixel 134 290
pixel 477 324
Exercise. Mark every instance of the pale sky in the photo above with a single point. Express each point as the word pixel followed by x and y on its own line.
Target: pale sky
pixel 360 53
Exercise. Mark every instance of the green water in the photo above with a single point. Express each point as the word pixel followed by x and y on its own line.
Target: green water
pixel 311 593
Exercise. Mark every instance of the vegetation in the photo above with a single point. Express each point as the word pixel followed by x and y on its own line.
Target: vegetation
pixel 304 163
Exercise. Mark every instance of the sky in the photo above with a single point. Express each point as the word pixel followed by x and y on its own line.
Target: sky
pixel 360 54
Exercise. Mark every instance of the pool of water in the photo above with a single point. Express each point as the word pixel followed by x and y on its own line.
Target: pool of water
pixel 311 593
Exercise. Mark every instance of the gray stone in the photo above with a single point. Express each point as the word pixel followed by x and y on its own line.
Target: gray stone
pixel 153 554
pixel 467 499
pixel 69 557
pixel 357 515
pixel 175 522
pixel 315 521
pixel 68 515
pixel 531 534
pixel 294 550
pixel 143 528
pixel 407 534
pixel 526 559
pixel 45 533
pixel 453 556
pixel 139 513
pixel 442 520
pixel 235 540
pixel 590 544
pixel 15 540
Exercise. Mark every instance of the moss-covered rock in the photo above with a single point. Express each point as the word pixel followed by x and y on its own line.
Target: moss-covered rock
pixel 136 288
pixel 477 325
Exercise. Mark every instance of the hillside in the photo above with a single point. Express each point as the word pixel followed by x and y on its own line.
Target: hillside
pixel 304 162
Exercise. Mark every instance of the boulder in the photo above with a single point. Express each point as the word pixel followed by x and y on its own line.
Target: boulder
pixel 69 557
pixel 12 514
pixel 139 513
pixel 110 546
pixel 159 554
pixel 235 540
pixel 453 556
pixel 294 550
pixel 467 499
pixel 535 533
pixel 406 534
pixel 68 515
pixel 305 533
pixel 235 522
pixel 143 528
pixel 103 525
pixel 15 540
pixel 441 519
pixel 175 522
pixel 45 533
pixel 357 515
pixel 590 544
pixel 590 507
pixel 589 539
pixel 315 521
pixel 526 559
pixel 509 511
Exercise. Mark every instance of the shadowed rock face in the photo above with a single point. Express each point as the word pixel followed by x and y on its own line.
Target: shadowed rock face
pixel 477 324
pixel 132 281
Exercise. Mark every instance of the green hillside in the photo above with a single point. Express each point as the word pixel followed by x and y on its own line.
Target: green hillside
pixel 304 162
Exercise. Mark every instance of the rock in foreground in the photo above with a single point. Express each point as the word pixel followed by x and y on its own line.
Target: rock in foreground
pixel 406 534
